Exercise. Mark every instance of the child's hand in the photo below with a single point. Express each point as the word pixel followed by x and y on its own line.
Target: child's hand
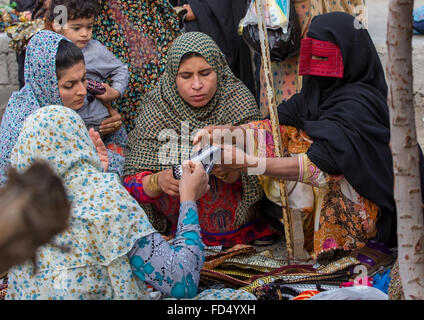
pixel 110 95
pixel 100 148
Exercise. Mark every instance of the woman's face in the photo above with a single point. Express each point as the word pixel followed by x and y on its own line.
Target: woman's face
pixel 73 86
pixel 197 81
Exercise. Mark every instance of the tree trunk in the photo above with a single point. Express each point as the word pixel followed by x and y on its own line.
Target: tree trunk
pixel 407 188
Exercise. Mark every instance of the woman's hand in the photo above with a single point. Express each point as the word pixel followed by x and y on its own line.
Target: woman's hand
pixel 112 124
pixel 215 134
pixel 100 148
pixel 190 14
pixel 234 159
pixel 194 182
pixel 168 184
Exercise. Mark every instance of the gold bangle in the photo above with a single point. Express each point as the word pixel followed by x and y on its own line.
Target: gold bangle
pixel 154 184
pixel 223 177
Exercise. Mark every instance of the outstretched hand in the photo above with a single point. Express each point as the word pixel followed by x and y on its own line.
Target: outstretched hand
pixel 216 135
pixel 234 159
pixel 100 148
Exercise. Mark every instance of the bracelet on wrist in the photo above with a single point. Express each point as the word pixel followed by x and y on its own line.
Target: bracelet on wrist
pixel 154 184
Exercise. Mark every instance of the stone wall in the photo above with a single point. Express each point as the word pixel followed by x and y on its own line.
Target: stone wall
pixel 8 72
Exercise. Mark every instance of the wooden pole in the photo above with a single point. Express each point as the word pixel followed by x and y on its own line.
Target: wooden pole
pixel 292 221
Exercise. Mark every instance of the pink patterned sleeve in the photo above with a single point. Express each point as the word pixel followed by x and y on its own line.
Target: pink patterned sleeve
pixel 310 174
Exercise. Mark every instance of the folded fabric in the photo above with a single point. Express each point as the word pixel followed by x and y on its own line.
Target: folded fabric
pixel 375 256
pixel 306 295
pixel 382 281
pixel 279 291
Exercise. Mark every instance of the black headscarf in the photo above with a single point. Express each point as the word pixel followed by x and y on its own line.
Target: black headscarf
pixel 219 19
pixel 348 118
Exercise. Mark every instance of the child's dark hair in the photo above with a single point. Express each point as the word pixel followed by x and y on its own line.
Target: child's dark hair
pixel 68 55
pixel 76 9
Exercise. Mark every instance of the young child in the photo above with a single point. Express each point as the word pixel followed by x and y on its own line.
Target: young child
pixel 101 64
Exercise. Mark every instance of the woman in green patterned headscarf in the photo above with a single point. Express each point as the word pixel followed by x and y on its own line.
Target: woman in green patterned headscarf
pixel 197 89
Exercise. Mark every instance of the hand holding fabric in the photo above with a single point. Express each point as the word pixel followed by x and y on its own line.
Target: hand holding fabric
pixel 214 134
pixel 235 159
pixel 110 95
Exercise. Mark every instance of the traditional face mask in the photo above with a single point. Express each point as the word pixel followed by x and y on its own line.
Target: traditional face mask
pixel 320 58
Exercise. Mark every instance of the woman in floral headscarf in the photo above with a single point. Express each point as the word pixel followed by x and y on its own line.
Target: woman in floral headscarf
pixel 197 89
pixel 42 89
pixel 139 32
pixel 287 80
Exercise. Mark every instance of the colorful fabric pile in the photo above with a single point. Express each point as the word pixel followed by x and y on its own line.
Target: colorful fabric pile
pixel 259 273
pixel 10 17
pixel 395 289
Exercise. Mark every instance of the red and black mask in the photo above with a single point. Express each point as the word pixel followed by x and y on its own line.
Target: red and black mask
pixel 320 58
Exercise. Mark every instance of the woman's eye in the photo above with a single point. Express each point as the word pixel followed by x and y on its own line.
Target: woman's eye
pixel 205 73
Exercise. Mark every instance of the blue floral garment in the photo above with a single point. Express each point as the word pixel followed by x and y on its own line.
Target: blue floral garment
pixel 41 89
pixel 106 222
pixel 109 235
pixel 175 270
